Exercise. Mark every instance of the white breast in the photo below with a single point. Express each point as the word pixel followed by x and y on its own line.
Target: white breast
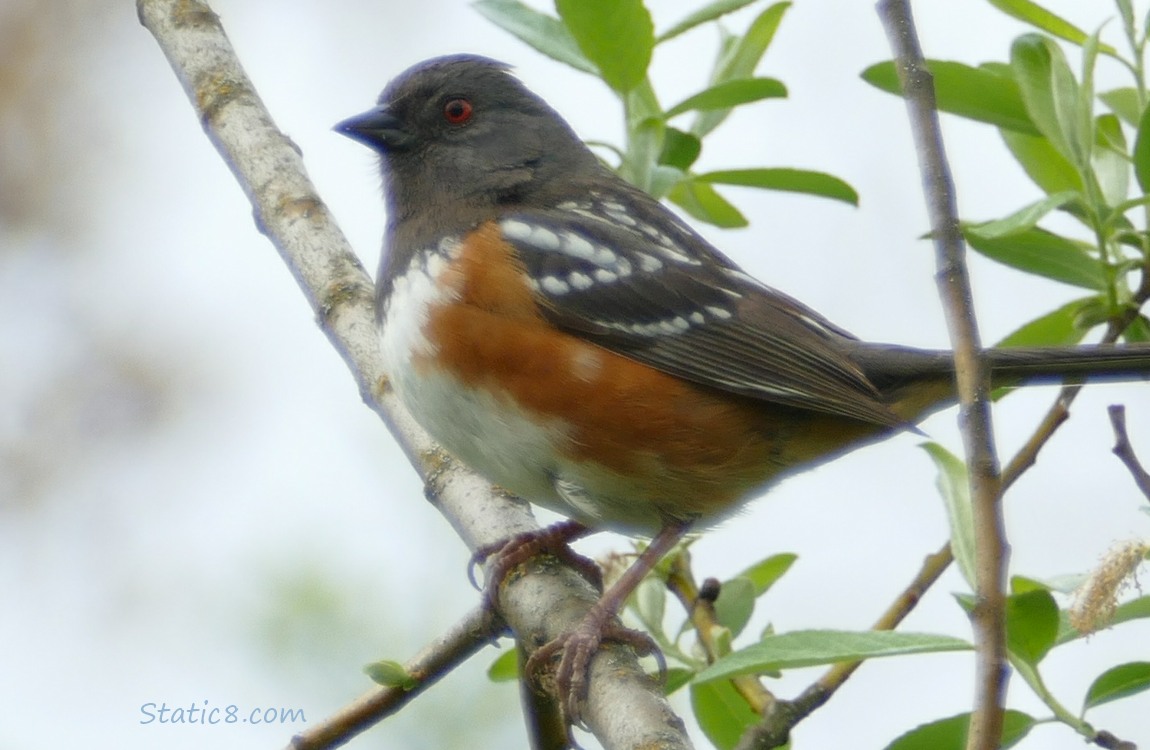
pixel 486 431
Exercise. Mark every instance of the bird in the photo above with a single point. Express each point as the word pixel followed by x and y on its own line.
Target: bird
pixel 578 344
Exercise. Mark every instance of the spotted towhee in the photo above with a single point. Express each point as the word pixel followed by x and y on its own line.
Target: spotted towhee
pixel 575 342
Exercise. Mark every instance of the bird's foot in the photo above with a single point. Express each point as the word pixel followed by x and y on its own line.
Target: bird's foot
pixel 576 648
pixel 504 556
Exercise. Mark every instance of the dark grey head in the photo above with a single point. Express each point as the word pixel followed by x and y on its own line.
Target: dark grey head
pixel 460 136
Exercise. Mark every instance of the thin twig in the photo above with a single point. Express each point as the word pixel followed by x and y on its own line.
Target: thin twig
pixel 932 568
pixel 972 378
pixel 477 629
pixel 268 167
pixel 1054 418
pixel 779 720
pixel 701 610
pixel 1125 451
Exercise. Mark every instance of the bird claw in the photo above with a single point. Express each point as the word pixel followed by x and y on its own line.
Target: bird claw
pixel 504 556
pixel 576 649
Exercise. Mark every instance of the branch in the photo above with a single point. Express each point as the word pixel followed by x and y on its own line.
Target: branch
pixel 1125 451
pixel 988 617
pixel 269 168
pixel 781 716
pixel 477 629
pixel 700 610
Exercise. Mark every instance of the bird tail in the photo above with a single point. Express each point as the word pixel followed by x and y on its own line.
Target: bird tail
pixel 1099 362
pixel 916 382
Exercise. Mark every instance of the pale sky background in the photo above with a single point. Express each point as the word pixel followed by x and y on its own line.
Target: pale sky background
pixel 195 506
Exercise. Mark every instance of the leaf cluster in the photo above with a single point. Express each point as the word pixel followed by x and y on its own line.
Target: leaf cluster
pixel 614 40
pixel 1088 152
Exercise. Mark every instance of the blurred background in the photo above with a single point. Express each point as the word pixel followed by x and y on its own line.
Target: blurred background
pixel 197 509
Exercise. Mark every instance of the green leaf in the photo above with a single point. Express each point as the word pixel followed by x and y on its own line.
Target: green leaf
pixel 1110 163
pixel 954 486
pixel 1031 625
pixel 1050 94
pixel 722 713
pixel 1041 18
pixel 1118 682
pixel 786 179
pixel 1124 103
pixel 1023 584
pixel 545 33
pixel 390 674
pixel 680 149
pixel 677 677
pixel 1049 169
pixel 983 94
pixel 708 12
pixel 739 60
pixel 664 178
pixel 1056 328
pixel 730 94
pixel 616 35
pixel 1043 253
pixel 1126 9
pixel 735 605
pixel 765 573
pixel 505 668
pixel 641 104
pixel 1142 152
pixel 1138 332
pixel 950 733
pixel 644 148
pixel 806 648
pixel 703 202
pixel 650 601
pixel 1024 218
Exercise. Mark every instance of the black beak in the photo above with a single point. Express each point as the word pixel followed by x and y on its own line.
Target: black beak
pixel 377 128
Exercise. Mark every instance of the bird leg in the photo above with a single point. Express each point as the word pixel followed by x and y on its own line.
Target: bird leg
pixel 504 556
pixel 579 645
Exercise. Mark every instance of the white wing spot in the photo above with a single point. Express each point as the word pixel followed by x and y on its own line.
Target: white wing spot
pixel 580 281
pixel 649 263
pixel 516 230
pixel 645 329
pixel 671 252
pixel 815 324
pixel 622 217
pixel 553 285
pixel 577 247
pixel 719 312
pixel 606 277
pixel 697 318
pixel 604 256
pixel 544 239
pixel 741 275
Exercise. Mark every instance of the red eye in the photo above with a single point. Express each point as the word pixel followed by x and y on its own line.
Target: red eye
pixel 457 111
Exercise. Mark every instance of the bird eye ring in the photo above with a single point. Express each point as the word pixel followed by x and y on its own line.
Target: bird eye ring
pixel 457 111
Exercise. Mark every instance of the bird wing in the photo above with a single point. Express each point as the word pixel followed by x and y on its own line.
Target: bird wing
pixel 621 271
